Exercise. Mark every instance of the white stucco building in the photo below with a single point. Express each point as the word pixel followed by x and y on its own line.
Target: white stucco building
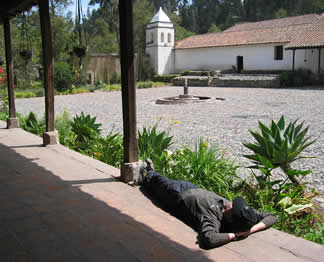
pixel 258 46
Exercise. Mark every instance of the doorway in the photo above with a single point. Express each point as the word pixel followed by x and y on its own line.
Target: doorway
pixel 239 64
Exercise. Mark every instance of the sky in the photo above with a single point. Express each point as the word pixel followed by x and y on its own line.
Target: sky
pixel 84 4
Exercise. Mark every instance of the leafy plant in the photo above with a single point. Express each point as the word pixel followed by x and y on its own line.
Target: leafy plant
pixel 185 73
pixel 279 146
pixel 86 129
pixel 206 167
pixel 32 124
pixel 164 78
pixel 111 150
pixel 140 85
pixel 4 105
pixel 64 128
pixel 151 142
pixel 99 85
pixel 63 76
pixel 115 79
pixel 205 73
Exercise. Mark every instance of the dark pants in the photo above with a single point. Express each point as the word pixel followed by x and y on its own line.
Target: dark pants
pixel 166 190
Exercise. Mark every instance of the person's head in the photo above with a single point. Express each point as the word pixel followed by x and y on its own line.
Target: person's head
pixel 243 217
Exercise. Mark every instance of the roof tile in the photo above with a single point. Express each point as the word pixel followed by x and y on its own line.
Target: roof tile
pixel 272 31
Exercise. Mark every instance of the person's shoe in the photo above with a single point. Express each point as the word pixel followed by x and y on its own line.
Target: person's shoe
pixel 146 166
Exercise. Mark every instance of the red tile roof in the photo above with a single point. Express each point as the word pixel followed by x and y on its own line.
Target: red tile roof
pixel 311 37
pixel 281 30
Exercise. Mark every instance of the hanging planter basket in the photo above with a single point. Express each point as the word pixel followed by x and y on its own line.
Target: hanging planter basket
pixel 26 54
pixel 80 51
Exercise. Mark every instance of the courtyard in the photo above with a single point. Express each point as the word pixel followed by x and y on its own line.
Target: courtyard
pixel 224 123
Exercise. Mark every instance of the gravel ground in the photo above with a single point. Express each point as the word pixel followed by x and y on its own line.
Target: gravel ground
pixel 225 123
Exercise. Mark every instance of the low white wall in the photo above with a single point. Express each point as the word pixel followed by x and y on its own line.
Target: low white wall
pixel 255 57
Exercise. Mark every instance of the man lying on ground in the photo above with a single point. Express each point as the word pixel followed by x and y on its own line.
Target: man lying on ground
pixel 217 220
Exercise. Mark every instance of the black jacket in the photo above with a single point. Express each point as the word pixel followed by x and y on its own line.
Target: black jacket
pixel 203 209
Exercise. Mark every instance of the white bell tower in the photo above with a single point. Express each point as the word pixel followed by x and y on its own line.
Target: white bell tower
pixel 160 43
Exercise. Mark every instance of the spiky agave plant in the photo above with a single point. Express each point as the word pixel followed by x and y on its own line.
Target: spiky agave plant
pixel 281 146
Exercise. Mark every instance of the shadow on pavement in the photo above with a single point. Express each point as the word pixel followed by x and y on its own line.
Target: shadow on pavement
pixel 43 218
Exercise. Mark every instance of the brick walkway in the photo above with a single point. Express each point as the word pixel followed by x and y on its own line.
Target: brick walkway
pixel 58 205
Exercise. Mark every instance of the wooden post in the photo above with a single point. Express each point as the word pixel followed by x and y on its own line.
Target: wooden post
pixel 293 65
pixel 48 63
pixel 50 137
pixel 319 60
pixel 12 121
pixel 128 80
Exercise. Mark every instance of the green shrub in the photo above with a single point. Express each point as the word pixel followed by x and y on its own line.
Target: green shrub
pixel 140 85
pixel 63 76
pixel 152 142
pixel 206 167
pixel 279 146
pixel 298 78
pixel 100 85
pixel 185 73
pixel 111 150
pixel 37 84
pixel 164 78
pixel 145 69
pixel 115 87
pixel 40 92
pixel 64 128
pixel 287 79
pixel 115 79
pixel 32 124
pixel 205 73
pixel 80 90
pixel 86 130
pixel 24 94
pixel 4 105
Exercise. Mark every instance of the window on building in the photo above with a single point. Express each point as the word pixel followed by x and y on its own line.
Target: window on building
pixel 278 52
pixel 152 37
pixel 169 37
pixel 162 37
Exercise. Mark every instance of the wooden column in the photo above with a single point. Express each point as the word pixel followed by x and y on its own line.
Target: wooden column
pixel 10 75
pixel 128 80
pixel 293 65
pixel 48 63
pixel 319 60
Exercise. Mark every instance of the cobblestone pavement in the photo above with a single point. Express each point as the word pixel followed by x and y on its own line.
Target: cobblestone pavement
pixel 225 123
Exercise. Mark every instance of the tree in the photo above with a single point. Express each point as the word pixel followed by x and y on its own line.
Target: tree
pixel 108 9
pixel 281 13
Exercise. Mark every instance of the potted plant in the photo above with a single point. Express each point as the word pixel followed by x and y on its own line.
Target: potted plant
pixel 80 51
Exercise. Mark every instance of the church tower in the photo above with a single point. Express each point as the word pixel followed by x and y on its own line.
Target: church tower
pixel 160 43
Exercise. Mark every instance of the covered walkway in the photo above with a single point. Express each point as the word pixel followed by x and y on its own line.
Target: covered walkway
pixel 58 205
